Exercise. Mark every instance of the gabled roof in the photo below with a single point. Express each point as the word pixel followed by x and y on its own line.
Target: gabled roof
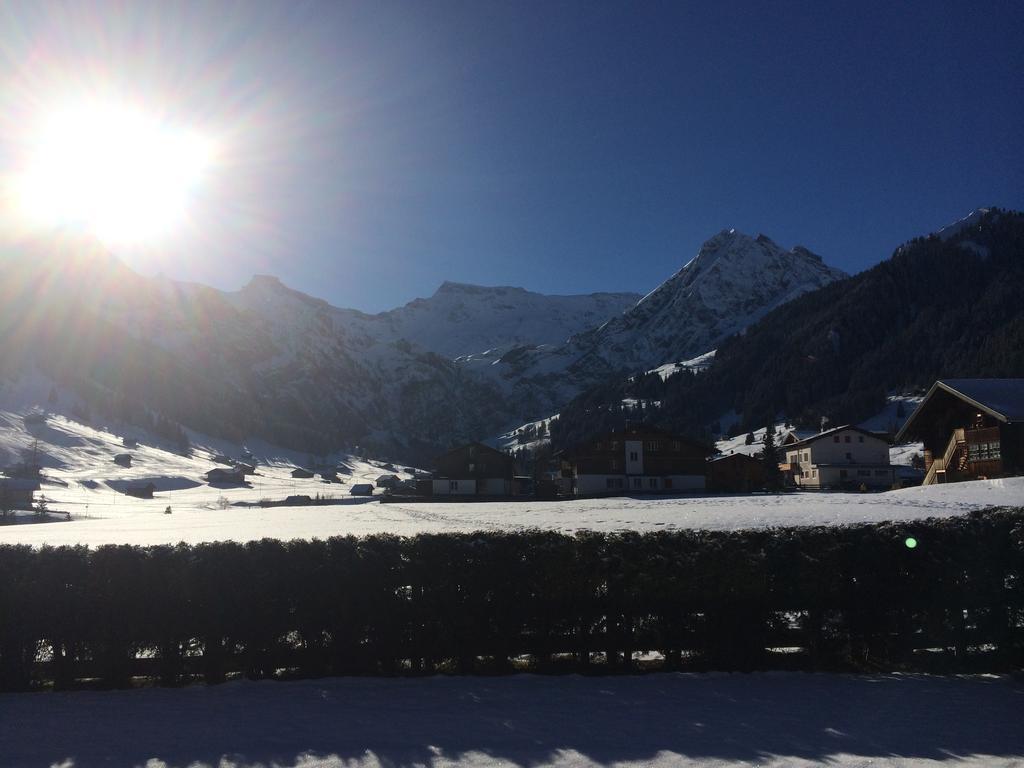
pixel 1003 399
pixel 830 433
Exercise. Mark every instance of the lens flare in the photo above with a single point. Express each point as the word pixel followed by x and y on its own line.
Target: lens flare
pixel 110 170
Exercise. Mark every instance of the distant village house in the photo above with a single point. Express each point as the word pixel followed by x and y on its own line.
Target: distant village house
pixel 638 460
pixel 842 457
pixel 473 470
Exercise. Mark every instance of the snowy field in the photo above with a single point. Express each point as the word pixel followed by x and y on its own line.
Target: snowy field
pixel 770 720
pixel 82 482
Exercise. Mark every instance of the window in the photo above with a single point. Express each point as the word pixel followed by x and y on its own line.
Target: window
pixel 677 446
pixel 636 482
pixel 598 446
pixel 472 467
pixel 814 473
pixel 651 445
pixel 453 485
pixel 807 455
pixel 652 482
pixel 983 451
pixel 835 439
pixel 633 456
pixel 846 438
pixel 614 463
pixel 860 438
pixel 610 483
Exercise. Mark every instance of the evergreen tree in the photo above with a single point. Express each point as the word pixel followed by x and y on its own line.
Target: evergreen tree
pixel 772 473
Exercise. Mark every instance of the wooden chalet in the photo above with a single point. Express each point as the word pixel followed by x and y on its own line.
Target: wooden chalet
pixel 735 472
pixel 473 470
pixel 639 459
pixel 971 429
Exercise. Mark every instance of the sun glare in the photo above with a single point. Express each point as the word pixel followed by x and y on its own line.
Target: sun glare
pixel 110 170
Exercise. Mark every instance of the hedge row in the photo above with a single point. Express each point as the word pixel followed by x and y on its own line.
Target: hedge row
pixel 849 597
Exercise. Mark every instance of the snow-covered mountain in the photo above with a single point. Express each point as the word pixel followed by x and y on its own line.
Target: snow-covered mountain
pixel 268 361
pixel 734 280
pixel 461 319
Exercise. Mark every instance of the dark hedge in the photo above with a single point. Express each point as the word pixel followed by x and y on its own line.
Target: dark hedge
pixel 839 598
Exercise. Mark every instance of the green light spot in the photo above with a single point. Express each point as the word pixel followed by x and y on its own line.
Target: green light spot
pixel 911 542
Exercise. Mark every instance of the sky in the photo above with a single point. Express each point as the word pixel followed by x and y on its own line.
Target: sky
pixel 366 152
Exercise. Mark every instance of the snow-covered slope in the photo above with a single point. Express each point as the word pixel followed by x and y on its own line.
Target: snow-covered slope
pixel 462 319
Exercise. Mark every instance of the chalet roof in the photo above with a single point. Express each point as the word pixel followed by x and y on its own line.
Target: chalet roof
pixel 830 433
pixel 1003 399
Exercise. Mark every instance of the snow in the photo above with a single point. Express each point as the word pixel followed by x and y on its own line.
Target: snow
pixel 695 364
pixel 889 418
pixel 680 720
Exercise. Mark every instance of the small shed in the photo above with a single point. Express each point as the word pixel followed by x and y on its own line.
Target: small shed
pixel 300 473
pixel 222 476
pixel 361 489
pixel 129 442
pixel 141 491
pixel 123 460
pixel 245 469
pixel 388 481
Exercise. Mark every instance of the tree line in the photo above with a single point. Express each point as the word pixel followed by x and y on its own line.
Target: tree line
pixel 940 594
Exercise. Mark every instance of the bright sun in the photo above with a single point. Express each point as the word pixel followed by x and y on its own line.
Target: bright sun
pixel 110 170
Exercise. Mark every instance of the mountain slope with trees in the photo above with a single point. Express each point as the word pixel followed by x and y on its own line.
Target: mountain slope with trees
pixel 947 305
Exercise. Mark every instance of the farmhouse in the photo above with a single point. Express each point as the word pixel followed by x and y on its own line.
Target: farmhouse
pixel 638 460
pixel 842 457
pixel 971 428
pixel 473 470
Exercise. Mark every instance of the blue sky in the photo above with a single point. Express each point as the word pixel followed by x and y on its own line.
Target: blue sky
pixel 371 150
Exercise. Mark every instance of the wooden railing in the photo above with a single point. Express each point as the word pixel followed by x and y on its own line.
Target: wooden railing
pixel 957 444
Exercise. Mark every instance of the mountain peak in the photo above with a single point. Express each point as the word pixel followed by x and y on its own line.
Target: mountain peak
pixel 450 287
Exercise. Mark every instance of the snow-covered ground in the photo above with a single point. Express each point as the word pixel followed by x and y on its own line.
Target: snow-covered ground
pixel 770 720
pixel 81 479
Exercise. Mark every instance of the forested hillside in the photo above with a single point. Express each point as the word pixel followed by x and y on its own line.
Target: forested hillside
pixel 948 305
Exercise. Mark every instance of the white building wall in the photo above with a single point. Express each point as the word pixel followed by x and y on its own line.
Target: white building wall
pixel 827 451
pixel 634 457
pixel 493 486
pixel 687 483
